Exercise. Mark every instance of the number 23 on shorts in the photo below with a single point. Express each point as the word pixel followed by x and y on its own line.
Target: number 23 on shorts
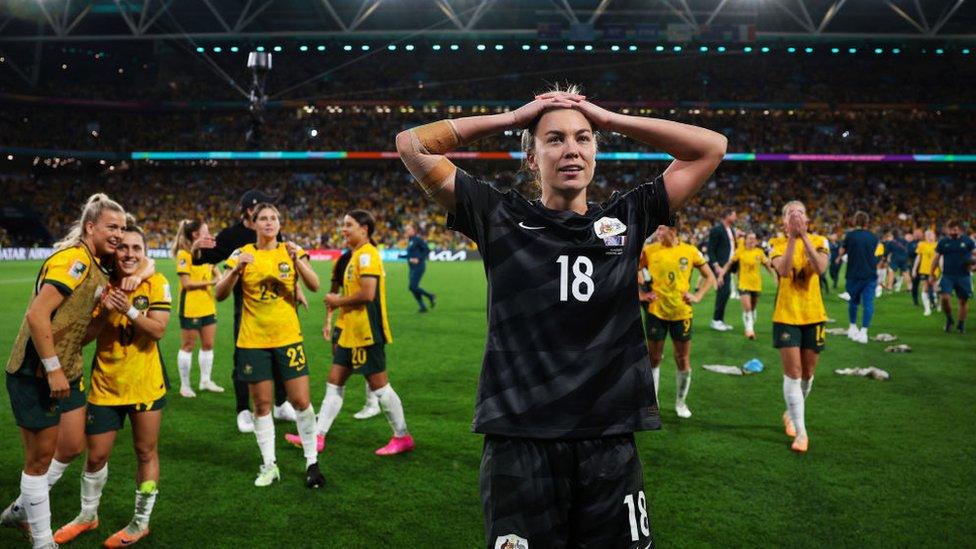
pixel 296 356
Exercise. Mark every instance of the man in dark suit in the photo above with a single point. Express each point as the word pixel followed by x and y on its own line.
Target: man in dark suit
pixel 721 245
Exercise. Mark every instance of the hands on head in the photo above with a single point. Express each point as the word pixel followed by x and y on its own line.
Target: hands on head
pixel 524 115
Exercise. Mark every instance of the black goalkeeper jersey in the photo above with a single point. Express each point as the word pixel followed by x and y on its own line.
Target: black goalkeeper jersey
pixel 565 356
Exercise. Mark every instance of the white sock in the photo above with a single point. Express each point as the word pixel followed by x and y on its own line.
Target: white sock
pixel 37 505
pixel 184 361
pixel 393 409
pixel 745 320
pixel 656 374
pixel 145 501
pixel 206 365
pixel 330 407
pixel 91 491
pixel 55 471
pixel 683 383
pixel 371 400
pixel 306 430
pixel 793 395
pixel 899 284
pixel 805 386
pixel 264 432
pixel 926 303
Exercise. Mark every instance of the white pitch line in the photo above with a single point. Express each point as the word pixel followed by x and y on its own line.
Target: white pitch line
pixel 16 280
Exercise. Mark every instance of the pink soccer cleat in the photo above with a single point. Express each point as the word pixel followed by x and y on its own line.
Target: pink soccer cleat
pixel 296 440
pixel 397 445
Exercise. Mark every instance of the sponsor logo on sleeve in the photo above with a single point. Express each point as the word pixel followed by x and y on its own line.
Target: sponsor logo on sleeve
pixel 167 293
pixel 77 269
pixel 364 260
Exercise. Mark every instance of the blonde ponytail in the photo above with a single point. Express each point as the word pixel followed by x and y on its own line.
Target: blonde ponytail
pixel 184 235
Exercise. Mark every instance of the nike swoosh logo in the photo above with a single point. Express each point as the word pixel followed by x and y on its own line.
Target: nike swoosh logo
pixel 36 503
pixel 524 226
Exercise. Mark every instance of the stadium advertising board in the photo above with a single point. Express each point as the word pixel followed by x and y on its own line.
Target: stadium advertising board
pixel 388 254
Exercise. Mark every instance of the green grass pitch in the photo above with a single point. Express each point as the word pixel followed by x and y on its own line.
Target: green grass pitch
pixel 890 464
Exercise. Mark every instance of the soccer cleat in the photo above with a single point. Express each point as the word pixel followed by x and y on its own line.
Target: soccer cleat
pixel 187 392
pixel 397 445
pixel 948 326
pixel 267 475
pixel 211 387
pixel 74 529
pixel 245 421
pixel 367 412
pixel 126 536
pixel 296 440
pixel 788 425
pixel 15 516
pixel 682 410
pixel 433 300
pixel 423 310
pixel 285 412
pixel 800 445
pixel 314 477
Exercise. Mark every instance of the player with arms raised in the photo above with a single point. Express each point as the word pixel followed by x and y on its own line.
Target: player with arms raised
pixel 565 380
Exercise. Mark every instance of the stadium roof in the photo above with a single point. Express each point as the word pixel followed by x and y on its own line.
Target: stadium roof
pixel 38 21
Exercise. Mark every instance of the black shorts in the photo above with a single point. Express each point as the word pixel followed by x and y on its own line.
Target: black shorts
pixel 362 360
pixel 34 409
pixel 806 336
pixel 657 329
pixel 554 493
pixel 197 323
pixel 751 293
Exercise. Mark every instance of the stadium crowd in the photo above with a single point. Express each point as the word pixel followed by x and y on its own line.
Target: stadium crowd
pixel 371 128
pixel 312 199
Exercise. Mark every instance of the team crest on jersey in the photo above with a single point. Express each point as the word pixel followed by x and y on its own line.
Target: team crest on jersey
pixel 511 541
pixel 683 263
pixel 284 269
pixel 608 226
pixel 77 269
pixel 182 263
pixel 141 303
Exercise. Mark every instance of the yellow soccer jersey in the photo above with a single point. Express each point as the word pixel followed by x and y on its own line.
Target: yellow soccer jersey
pixel 750 268
pixel 798 299
pixel 365 325
pixel 128 368
pixel 926 254
pixel 67 269
pixel 269 318
pixel 199 302
pixel 670 268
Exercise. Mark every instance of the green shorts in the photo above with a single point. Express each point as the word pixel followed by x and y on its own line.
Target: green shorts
pixel 807 336
pixel 103 419
pixel 256 365
pixel 197 323
pixel 34 409
pixel 657 329
pixel 363 360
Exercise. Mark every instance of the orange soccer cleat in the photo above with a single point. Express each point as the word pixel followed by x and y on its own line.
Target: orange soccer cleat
pixel 800 445
pixel 125 537
pixel 74 529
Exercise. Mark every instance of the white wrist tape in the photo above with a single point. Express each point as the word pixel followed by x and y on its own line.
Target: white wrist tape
pixel 51 364
pixel 132 313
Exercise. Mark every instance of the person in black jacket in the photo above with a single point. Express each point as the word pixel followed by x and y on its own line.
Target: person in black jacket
pixel 721 245
pixel 416 254
pixel 212 250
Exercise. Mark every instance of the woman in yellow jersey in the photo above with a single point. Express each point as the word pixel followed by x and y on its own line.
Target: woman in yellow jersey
pixel 44 370
pixel 799 317
pixel 923 270
pixel 669 261
pixel 750 258
pixel 365 333
pixel 270 339
pixel 198 309
pixel 128 380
